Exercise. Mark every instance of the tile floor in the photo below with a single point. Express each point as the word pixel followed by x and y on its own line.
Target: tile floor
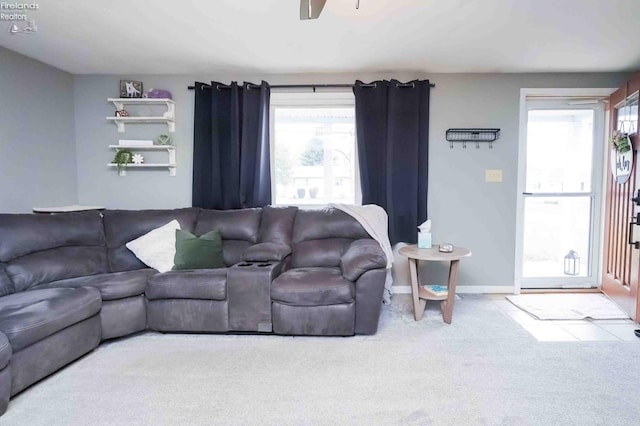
pixel 568 330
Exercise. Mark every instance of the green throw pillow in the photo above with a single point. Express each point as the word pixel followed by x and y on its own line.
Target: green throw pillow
pixel 198 253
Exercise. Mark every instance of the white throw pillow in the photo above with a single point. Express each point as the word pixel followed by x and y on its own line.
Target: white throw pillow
pixel 157 248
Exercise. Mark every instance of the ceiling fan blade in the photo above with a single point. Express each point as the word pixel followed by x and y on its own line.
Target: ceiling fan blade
pixel 311 9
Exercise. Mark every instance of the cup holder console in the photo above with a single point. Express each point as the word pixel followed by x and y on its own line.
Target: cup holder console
pixel 260 265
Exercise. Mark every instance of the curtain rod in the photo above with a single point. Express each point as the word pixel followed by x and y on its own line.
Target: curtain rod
pixel 312 86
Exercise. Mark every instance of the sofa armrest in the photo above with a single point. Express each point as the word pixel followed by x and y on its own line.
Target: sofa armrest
pixel 264 252
pixel 362 256
pixel 5 352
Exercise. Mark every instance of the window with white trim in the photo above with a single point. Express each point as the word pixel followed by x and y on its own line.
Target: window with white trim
pixel 313 149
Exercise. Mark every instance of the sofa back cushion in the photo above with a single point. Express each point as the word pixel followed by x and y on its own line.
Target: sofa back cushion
pixel 122 226
pixel 38 248
pixel 238 228
pixel 277 224
pixel 321 237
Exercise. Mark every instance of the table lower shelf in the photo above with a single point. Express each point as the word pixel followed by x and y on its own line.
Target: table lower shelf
pixel 425 293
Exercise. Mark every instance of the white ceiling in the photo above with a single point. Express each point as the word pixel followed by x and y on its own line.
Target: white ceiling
pixel 266 36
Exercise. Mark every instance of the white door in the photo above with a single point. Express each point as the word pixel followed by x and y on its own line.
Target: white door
pixel 561 200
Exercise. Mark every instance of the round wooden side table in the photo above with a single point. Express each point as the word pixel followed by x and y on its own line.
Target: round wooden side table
pixel 419 294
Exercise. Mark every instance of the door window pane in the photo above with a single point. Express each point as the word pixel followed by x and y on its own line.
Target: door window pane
pixel 627 114
pixel 559 150
pixel 314 155
pixel 553 227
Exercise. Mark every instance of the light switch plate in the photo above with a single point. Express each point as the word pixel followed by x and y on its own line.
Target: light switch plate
pixel 494 175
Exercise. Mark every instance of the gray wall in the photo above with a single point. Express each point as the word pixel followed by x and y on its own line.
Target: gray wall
pixel 37 145
pixel 46 114
pixel 140 188
pixel 465 210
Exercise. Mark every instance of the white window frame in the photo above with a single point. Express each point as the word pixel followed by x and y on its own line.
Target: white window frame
pixel 310 100
pixel 598 184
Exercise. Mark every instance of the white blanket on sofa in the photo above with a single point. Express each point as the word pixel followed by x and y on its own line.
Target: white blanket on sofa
pixel 375 221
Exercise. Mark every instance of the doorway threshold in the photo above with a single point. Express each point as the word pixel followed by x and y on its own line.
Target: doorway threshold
pixel 561 290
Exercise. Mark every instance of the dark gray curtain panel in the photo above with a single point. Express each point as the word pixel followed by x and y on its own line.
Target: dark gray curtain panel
pixel 392 123
pixel 231 167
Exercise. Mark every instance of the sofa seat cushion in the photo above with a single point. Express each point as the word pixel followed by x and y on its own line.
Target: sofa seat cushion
pixel 5 351
pixel 30 316
pixel 205 284
pixel 316 286
pixel 118 285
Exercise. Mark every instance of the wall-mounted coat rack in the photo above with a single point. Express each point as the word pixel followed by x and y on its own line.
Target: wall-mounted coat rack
pixel 472 135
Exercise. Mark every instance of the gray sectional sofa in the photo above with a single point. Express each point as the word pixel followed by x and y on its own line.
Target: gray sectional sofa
pixel 68 282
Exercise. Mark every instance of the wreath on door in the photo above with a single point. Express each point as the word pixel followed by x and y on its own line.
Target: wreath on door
pixel 621 142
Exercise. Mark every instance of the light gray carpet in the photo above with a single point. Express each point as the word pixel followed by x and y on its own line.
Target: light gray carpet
pixel 482 369
pixel 568 306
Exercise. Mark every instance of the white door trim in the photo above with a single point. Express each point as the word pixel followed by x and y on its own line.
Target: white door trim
pixel 550 93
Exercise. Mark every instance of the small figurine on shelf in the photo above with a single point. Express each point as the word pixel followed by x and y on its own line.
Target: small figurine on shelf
pixel 163 140
pixel 130 89
pixel 122 113
pixel 138 159
pixel 158 94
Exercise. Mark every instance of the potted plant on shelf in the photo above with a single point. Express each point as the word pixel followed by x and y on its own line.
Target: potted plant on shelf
pixel 122 158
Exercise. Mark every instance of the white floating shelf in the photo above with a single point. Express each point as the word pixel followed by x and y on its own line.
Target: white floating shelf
pixel 171 165
pixel 121 121
pixel 132 165
pixel 140 101
pixel 149 147
pixel 123 172
pixel 119 103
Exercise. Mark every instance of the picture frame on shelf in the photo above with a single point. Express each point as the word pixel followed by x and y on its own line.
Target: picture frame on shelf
pixel 130 89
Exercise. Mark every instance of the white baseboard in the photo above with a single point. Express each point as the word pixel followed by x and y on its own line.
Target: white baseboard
pixel 400 289
pixel 462 289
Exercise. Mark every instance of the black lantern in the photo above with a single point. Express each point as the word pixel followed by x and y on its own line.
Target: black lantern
pixel 572 263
